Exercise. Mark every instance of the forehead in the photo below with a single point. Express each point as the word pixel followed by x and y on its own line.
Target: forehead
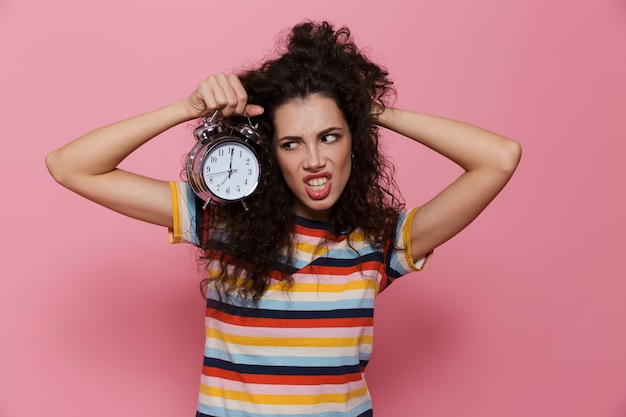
pixel 307 116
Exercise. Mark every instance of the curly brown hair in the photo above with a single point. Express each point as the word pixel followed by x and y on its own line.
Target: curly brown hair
pixel 254 245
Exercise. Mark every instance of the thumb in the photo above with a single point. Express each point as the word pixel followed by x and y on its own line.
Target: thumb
pixel 254 110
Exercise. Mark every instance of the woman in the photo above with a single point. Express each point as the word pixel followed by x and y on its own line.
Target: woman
pixel 291 280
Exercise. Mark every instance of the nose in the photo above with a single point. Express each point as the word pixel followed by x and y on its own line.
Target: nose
pixel 314 159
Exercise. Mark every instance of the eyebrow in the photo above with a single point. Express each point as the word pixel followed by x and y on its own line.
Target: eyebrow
pixel 319 134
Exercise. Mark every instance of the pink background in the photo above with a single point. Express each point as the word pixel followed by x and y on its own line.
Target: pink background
pixel 521 315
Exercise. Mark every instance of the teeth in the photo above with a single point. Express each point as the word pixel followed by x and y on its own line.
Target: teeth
pixel 318 183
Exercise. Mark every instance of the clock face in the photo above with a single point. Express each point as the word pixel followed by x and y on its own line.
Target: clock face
pixel 231 170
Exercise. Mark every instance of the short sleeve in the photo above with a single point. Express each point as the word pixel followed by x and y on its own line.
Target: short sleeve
pixel 185 214
pixel 399 261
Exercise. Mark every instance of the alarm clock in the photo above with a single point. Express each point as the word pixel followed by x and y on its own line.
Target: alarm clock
pixel 224 166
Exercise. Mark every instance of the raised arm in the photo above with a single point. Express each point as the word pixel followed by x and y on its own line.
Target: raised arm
pixel 488 159
pixel 88 165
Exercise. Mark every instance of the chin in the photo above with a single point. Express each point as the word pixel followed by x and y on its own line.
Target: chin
pixel 315 210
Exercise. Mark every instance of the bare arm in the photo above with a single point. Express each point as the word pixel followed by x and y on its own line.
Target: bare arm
pixel 488 159
pixel 88 165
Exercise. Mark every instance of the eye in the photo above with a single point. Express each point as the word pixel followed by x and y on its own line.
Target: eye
pixel 330 137
pixel 288 145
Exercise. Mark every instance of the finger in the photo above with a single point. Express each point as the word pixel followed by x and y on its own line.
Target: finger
pixel 230 96
pixel 217 94
pixel 240 95
pixel 254 110
pixel 204 97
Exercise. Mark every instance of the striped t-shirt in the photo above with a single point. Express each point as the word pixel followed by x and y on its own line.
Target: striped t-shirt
pixel 303 350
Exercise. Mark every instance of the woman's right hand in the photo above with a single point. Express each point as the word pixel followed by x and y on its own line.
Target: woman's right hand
pixel 222 92
pixel 89 165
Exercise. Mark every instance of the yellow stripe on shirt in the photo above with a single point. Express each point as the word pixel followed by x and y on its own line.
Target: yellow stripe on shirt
pixel 281 399
pixel 320 342
pixel 175 233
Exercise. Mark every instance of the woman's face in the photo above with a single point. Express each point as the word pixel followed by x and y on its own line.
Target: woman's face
pixel 313 147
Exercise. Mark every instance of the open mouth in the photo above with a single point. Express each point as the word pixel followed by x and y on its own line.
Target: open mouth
pixel 317 184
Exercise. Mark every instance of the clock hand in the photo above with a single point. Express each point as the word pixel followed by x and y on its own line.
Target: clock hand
pixel 217 174
pixel 230 165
